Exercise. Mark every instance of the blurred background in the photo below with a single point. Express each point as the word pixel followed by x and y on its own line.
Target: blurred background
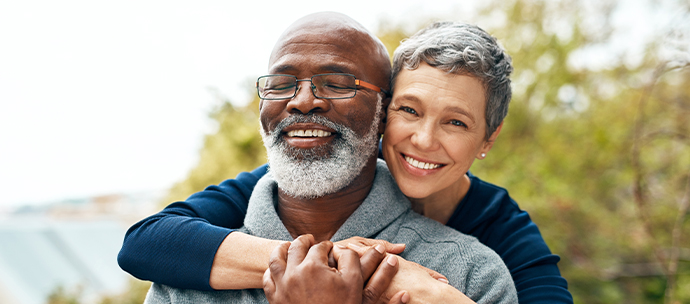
pixel 111 110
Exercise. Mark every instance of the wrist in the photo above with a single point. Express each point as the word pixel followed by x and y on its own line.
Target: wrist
pixel 241 261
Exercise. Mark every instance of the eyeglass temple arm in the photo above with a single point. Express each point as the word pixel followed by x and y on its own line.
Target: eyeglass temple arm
pixel 367 85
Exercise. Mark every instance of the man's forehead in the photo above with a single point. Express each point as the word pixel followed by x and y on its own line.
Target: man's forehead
pixel 339 42
pixel 330 43
pixel 291 65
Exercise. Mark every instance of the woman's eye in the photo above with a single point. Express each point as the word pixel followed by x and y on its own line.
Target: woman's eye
pixel 458 123
pixel 408 110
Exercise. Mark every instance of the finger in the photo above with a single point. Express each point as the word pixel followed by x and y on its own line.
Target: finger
pixel 380 280
pixel 278 260
pixel 298 250
pixel 355 244
pixel 390 248
pixel 357 248
pixel 436 275
pixel 319 253
pixel 371 259
pixel 395 249
pixel 269 284
pixel 331 257
pixel 401 297
pixel 349 266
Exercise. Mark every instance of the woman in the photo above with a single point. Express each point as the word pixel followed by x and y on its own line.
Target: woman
pixel 451 93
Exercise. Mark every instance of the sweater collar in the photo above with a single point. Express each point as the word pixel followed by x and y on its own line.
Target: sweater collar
pixel 383 205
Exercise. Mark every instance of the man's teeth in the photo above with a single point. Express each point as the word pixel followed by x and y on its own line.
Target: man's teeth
pixel 308 133
pixel 420 165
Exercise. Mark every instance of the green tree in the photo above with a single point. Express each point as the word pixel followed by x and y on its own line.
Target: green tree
pixel 235 147
pixel 599 156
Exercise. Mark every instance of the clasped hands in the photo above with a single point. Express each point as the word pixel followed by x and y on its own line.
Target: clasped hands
pixel 356 270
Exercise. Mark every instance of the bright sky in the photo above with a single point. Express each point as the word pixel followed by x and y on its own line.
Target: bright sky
pixel 101 97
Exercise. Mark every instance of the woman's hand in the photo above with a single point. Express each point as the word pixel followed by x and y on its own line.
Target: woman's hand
pixel 422 287
pixel 360 245
pixel 421 284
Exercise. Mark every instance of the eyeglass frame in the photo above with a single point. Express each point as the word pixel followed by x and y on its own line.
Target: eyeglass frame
pixel 358 82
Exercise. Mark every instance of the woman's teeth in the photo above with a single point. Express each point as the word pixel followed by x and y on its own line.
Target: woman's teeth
pixel 420 165
pixel 308 133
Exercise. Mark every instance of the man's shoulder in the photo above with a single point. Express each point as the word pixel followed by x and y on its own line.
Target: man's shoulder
pixel 424 232
pixel 159 293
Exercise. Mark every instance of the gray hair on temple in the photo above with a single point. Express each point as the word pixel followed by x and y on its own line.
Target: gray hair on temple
pixel 462 49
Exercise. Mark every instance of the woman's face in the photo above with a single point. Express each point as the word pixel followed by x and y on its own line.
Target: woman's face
pixel 435 129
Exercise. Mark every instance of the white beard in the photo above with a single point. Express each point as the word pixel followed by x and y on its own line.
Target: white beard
pixel 312 173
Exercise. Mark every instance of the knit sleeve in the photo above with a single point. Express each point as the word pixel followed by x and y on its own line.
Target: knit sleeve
pixel 489 282
pixel 176 246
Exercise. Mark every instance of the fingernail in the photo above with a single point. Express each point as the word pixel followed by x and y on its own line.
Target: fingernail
pixel 341 246
pixel 405 298
pixel 392 260
pixel 380 248
pixel 443 280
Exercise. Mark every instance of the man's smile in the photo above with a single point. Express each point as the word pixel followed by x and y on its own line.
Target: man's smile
pixel 308 133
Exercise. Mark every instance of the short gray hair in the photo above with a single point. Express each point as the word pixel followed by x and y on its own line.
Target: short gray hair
pixel 462 49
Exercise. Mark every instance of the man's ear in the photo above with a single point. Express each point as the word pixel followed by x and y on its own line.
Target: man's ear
pixel 384 114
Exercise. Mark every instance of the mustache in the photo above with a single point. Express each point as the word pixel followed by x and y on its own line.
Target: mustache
pixel 274 134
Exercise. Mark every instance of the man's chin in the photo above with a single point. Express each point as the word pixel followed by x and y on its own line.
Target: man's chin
pixel 318 153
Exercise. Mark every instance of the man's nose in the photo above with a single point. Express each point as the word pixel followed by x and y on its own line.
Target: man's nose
pixel 305 102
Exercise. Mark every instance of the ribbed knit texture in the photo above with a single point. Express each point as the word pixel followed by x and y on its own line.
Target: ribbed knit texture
pixel 471 267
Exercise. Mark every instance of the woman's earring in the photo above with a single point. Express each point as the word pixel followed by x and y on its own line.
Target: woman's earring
pixel 483 155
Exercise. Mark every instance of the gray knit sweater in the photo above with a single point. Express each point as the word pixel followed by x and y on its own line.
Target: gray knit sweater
pixel 471 267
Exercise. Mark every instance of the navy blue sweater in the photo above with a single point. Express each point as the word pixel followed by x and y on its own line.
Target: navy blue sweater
pixel 176 246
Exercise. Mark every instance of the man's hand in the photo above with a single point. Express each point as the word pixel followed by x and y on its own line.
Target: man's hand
pixel 299 273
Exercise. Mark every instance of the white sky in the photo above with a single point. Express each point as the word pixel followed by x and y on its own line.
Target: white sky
pixel 112 96
pixel 101 97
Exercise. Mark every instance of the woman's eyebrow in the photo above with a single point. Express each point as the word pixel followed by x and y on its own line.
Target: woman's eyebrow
pixel 460 111
pixel 416 99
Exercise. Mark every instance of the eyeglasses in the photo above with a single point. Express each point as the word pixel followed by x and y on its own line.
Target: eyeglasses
pixel 327 86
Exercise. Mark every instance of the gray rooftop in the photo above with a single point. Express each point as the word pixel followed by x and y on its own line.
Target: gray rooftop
pixel 38 254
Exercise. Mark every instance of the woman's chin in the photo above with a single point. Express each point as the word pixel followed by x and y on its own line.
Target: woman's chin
pixel 414 192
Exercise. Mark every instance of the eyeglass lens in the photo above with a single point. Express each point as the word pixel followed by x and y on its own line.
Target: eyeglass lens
pixel 323 86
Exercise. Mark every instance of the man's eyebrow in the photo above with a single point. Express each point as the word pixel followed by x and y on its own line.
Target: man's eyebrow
pixel 281 69
pixel 328 68
pixel 332 68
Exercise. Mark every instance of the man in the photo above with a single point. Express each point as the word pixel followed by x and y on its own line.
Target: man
pixel 321 111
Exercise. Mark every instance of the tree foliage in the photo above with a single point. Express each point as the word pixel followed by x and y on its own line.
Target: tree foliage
pixel 599 156
pixel 235 147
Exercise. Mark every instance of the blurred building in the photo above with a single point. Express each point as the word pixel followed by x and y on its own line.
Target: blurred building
pixel 70 244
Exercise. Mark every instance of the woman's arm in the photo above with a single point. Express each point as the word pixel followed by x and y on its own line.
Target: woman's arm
pixel 190 245
pixel 178 245
pixel 489 214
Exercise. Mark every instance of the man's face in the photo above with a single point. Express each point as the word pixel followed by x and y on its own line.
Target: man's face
pixel 318 146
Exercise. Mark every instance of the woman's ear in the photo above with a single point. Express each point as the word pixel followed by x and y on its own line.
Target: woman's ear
pixel 488 144
pixel 384 114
